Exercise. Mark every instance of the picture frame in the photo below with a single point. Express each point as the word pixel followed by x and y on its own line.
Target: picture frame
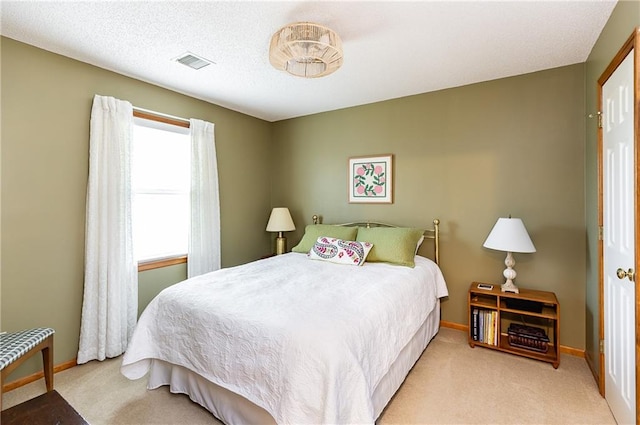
pixel 371 179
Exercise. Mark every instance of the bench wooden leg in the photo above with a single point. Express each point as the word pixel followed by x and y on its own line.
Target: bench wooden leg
pixel 47 362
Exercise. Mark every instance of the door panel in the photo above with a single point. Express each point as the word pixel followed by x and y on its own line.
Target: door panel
pixel 619 240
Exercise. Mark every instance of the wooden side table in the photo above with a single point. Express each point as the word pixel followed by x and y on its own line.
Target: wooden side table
pixel 536 309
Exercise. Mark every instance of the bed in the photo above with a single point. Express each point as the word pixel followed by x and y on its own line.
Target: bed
pixel 296 338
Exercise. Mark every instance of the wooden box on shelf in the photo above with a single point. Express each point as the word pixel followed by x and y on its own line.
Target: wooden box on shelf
pixel 535 316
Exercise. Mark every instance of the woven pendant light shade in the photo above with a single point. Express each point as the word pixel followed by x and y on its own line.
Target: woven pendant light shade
pixel 305 49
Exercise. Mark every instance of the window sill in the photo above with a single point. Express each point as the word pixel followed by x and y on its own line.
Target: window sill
pixel 164 262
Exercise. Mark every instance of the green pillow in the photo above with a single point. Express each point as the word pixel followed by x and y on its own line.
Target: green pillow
pixel 313 231
pixel 395 245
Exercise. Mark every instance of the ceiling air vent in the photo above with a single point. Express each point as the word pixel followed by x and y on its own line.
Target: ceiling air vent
pixel 193 61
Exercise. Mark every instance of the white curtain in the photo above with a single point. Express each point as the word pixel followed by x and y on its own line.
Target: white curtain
pixel 110 305
pixel 204 235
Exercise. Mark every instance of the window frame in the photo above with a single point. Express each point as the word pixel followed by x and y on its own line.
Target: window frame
pixel 162 262
pixel 172 260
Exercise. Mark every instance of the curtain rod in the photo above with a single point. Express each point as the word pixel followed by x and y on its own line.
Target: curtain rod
pixel 154 114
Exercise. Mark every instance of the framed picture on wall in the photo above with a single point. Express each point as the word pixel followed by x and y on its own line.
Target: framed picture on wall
pixel 371 179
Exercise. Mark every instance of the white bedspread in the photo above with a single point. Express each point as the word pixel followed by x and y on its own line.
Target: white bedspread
pixel 306 340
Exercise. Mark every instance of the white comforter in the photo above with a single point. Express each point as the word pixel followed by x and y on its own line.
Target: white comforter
pixel 307 340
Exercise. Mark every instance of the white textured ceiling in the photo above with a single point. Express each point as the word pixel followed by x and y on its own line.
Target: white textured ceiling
pixel 391 49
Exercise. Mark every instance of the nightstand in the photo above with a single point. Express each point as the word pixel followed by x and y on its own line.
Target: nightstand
pixel 525 324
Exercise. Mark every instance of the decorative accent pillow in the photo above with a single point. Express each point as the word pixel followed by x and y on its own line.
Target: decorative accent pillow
pixel 339 251
pixel 313 231
pixel 395 245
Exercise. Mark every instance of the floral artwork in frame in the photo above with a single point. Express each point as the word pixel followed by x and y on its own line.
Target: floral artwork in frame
pixel 370 179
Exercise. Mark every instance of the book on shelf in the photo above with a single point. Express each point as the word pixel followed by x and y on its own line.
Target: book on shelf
pixel 484 326
pixel 491 336
pixel 481 326
pixel 528 337
pixel 474 324
pixel 492 340
pixel 487 327
pixel 496 335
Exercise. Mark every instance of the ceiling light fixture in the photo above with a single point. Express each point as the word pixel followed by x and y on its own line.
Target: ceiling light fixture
pixel 305 49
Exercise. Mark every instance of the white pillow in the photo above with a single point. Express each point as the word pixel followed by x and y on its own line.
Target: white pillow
pixel 339 251
pixel 419 243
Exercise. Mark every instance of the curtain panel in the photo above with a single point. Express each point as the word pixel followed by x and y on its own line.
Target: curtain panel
pixel 204 234
pixel 110 303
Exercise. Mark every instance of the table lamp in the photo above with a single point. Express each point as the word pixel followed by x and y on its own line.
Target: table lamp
pixel 509 235
pixel 280 221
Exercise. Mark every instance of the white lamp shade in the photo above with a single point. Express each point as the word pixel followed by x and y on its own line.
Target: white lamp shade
pixel 280 220
pixel 509 235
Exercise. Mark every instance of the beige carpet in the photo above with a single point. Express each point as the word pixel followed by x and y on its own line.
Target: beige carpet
pixel 450 384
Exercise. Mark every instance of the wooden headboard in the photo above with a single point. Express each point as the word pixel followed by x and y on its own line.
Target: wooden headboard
pixel 433 234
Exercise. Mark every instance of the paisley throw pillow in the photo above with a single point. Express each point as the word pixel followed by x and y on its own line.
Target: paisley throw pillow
pixel 340 251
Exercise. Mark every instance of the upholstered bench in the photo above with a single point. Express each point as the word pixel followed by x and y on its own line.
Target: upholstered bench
pixel 16 347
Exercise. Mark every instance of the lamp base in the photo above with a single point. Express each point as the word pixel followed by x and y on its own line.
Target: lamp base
pixel 508 286
pixel 281 245
pixel 509 274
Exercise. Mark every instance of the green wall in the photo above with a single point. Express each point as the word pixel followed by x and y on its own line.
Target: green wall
pixel 623 20
pixel 467 156
pixel 46 103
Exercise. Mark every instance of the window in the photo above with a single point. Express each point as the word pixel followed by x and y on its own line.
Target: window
pixel 160 185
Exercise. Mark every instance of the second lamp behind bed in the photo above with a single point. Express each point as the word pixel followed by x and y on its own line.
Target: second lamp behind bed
pixel 280 221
